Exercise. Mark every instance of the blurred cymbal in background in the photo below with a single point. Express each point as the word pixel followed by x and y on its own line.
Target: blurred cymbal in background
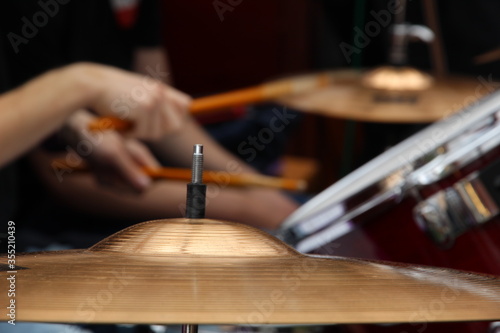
pixel 389 94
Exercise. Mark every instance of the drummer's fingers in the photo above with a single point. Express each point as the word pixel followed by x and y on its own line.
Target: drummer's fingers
pixel 181 100
pixel 141 154
pixel 166 111
pixel 149 115
pixel 129 170
pixel 177 106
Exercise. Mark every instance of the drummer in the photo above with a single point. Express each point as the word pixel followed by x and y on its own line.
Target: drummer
pixel 35 109
pixel 262 208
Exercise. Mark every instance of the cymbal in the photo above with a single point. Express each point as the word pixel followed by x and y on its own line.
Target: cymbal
pixel 419 98
pixel 208 271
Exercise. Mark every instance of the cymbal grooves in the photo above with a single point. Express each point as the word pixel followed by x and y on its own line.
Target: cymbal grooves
pixel 110 283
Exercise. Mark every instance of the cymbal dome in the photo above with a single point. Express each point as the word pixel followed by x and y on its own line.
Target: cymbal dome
pixel 193 237
pixel 397 79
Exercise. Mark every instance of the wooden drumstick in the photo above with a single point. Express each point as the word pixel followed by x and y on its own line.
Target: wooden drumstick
pixel 214 103
pixel 224 178
pixel 216 177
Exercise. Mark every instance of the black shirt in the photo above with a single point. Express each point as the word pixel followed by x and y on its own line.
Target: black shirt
pixel 43 37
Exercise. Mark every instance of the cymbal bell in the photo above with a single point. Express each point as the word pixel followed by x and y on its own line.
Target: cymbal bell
pixel 214 272
pixel 396 79
pixel 391 95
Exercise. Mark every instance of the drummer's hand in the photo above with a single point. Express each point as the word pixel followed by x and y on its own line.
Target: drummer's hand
pixel 116 161
pixel 155 108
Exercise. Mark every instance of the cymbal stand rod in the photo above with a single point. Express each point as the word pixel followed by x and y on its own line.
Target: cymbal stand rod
pixel 195 208
pixel 399 40
pixel 189 328
pixel 196 190
pixel 438 56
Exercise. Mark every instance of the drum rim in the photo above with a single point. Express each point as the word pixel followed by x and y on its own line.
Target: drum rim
pixel 379 168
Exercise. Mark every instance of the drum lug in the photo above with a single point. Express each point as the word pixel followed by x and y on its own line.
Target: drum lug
pixel 494 327
pixel 432 216
pixel 450 212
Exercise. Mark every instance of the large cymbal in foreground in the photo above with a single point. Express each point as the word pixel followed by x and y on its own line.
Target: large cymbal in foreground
pixel 349 97
pixel 207 271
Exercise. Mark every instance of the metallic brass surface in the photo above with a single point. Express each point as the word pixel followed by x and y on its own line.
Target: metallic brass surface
pixel 397 79
pixel 208 271
pixel 392 96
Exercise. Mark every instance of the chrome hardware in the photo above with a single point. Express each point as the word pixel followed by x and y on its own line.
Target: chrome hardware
pixel 477 199
pixel 461 152
pixel 449 213
pixel 494 327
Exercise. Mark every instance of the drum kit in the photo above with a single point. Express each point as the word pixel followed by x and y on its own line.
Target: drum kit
pixel 432 202
pixel 200 271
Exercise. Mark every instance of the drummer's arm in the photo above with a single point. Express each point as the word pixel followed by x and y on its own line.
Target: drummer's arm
pixel 32 111
pixel 270 207
pixel 263 208
pixel 177 148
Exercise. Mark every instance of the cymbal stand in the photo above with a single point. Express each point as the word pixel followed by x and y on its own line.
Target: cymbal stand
pixel 196 190
pixel 195 203
pixel 401 33
pixel 189 328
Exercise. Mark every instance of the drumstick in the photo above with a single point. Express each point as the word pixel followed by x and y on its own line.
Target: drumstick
pixel 214 103
pixel 216 177
pixel 224 178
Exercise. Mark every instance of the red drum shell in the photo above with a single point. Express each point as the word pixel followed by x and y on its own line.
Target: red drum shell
pixel 387 229
pixel 394 235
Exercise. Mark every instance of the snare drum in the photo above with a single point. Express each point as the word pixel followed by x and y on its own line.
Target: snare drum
pixel 432 199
